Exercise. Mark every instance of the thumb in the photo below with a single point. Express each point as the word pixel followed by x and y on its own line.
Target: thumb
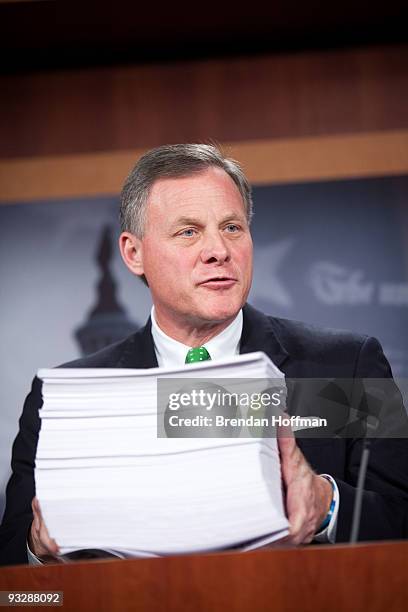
pixel 286 440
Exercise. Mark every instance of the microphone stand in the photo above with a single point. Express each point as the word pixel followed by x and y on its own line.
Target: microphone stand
pixel 358 500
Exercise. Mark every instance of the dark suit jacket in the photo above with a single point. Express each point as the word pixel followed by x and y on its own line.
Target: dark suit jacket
pixel 300 351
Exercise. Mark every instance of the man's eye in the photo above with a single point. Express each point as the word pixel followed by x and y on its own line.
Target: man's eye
pixel 232 228
pixel 189 233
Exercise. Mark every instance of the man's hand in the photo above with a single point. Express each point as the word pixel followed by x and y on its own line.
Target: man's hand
pixel 39 540
pixel 308 496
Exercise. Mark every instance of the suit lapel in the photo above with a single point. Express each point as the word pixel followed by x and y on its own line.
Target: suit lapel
pixel 139 350
pixel 258 335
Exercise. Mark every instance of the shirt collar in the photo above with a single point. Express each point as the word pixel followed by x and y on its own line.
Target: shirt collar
pixel 171 353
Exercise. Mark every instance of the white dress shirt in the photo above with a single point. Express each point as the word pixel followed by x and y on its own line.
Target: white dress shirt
pixel 171 353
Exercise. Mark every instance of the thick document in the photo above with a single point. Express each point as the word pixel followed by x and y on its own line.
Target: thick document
pixel 110 476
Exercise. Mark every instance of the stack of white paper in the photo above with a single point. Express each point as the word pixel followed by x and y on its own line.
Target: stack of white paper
pixel 105 480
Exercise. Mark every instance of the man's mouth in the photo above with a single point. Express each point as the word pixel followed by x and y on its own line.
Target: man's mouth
pixel 219 282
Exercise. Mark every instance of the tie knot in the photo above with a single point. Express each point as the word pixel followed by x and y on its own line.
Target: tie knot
pixel 197 354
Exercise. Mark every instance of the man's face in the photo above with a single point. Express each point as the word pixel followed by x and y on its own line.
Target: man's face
pixel 197 248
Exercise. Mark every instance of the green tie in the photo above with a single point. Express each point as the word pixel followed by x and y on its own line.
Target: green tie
pixel 197 354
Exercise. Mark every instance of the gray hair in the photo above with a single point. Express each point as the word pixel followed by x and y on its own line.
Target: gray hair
pixel 173 161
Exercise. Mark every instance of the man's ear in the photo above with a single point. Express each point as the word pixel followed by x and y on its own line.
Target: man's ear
pixel 131 249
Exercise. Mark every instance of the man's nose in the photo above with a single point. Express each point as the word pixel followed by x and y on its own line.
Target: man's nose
pixel 215 249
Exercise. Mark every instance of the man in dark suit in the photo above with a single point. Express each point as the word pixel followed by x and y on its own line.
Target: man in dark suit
pixel 185 216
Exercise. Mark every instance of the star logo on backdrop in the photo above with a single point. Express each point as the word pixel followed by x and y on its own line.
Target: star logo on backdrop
pixel 268 270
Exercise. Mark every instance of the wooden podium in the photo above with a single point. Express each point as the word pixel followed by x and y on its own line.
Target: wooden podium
pixel 364 577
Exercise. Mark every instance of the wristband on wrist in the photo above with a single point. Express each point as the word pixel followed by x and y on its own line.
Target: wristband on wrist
pixel 332 506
